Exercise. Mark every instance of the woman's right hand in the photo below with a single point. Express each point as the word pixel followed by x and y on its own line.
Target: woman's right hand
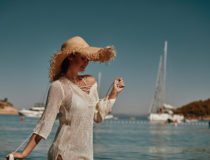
pixel 34 140
pixel 16 155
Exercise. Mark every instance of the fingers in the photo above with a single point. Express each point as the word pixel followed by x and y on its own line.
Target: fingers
pixel 10 157
pixel 119 82
pixel 119 78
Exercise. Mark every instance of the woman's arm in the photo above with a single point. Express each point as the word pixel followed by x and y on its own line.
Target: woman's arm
pixel 113 94
pixel 33 141
pixel 104 106
pixel 44 126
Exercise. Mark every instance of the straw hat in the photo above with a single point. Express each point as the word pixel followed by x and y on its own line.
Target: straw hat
pixel 78 45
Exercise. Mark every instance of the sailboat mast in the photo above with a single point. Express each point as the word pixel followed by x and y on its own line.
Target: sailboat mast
pixel 156 99
pixel 164 70
pixel 160 86
pixel 99 83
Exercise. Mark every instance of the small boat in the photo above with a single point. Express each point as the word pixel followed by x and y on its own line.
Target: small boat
pixel 191 120
pixel 35 111
pixel 109 116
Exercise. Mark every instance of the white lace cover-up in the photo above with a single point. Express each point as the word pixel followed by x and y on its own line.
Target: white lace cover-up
pixel 76 111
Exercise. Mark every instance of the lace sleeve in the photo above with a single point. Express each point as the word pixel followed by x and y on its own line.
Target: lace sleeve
pixel 102 106
pixel 52 105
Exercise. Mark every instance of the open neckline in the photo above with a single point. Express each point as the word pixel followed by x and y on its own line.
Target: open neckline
pixel 85 93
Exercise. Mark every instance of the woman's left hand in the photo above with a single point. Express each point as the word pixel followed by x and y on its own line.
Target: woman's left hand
pixel 118 84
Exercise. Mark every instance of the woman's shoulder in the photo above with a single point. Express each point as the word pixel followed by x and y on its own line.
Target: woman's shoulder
pixel 56 84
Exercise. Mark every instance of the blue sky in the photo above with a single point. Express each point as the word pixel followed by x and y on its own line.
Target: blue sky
pixel 31 31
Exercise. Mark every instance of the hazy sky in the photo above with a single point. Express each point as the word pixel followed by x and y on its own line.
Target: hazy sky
pixel 31 31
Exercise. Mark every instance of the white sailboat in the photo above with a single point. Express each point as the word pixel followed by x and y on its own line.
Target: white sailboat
pixel 159 110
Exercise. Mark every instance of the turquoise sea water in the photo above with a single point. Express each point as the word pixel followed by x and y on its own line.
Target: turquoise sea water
pixel 121 139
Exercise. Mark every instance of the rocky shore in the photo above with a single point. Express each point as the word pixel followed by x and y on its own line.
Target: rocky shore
pixel 7 108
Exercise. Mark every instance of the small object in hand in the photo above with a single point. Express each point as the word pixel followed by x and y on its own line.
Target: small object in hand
pixel 121 86
pixel 10 157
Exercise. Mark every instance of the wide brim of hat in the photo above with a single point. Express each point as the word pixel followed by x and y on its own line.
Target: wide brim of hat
pixel 91 53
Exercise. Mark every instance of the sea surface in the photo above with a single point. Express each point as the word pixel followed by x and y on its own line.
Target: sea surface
pixel 124 138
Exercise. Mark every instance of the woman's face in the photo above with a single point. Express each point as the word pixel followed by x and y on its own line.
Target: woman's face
pixel 78 62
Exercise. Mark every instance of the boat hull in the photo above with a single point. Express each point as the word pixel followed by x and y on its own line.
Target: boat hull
pixel 163 117
pixel 28 113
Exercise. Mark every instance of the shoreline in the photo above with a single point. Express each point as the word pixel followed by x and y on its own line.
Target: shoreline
pixel 8 110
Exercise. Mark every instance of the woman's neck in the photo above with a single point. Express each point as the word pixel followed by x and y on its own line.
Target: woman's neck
pixel 72 75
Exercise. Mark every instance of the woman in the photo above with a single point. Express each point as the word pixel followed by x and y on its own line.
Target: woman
pixel 74 99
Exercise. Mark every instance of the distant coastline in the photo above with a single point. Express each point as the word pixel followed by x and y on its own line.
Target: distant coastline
pixel 197 110
pixel 7 108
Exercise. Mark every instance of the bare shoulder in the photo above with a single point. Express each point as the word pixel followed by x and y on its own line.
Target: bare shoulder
pixel 90 79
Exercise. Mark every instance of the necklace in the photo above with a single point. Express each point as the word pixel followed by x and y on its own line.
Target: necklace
pixel 80 82
pixel 76 80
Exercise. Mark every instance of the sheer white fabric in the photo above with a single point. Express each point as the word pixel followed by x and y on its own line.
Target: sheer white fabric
pixel 76 110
